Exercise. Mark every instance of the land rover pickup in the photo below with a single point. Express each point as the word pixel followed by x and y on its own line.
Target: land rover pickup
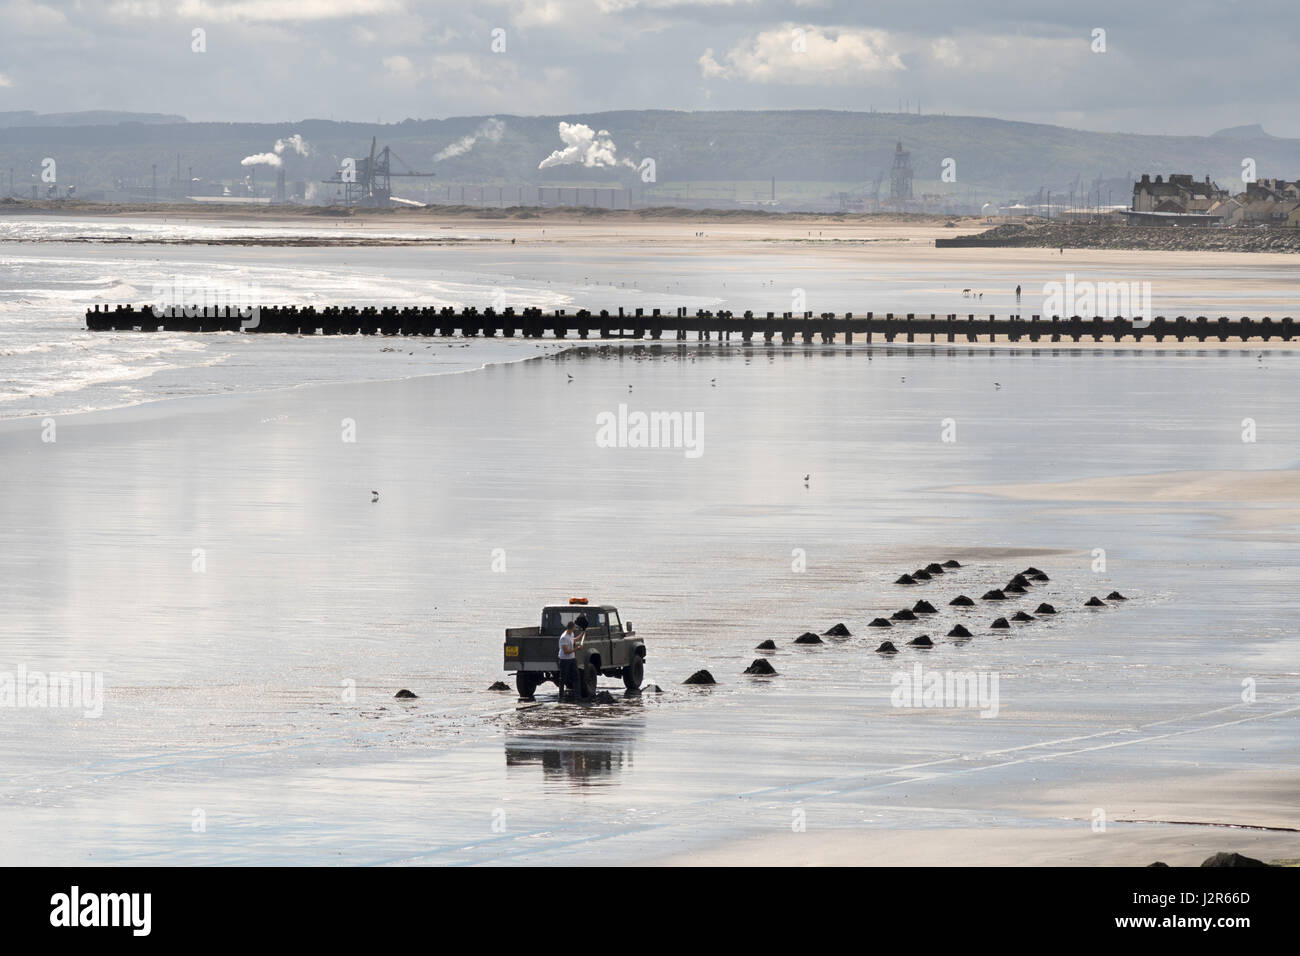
pixel 609 647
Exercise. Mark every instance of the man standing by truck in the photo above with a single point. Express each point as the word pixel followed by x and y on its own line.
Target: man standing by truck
pixel 569 641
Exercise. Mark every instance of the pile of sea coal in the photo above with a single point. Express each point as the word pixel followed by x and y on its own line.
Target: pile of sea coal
pixel 959 631
pixel 405 694
pixel 887 648
pixel 499 685
pixel 961 600
pixel 1000 624
pixel 922 641
pixel 906 614
pixel 923 607
pixel 700 677
pixel 808 637
pixel 761 666
pixel 879 622
pixel 768 645
pixel 839 630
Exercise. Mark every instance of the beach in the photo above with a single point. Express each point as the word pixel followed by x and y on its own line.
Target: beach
pixel 201 531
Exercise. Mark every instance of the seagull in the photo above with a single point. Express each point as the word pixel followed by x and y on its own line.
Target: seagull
pixel 375 497
pixel 806 477
pixel 997 384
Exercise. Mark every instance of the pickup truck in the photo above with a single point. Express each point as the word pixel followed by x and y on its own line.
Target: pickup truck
pixel 610 647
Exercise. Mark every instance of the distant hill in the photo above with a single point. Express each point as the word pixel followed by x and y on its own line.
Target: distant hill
pixel 838 150
pixel 86 118
pixel 1252 132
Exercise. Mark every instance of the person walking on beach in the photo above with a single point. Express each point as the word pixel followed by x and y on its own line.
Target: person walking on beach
pixel 569 642
pixel 1017 295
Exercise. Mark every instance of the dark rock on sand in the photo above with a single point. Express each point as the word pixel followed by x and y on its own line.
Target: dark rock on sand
pixel 1045 609
pixel 951 564
pixel 923 607
pixel 961 600
pixel 921 574
pixel 1022 616
pixel 761 666
pixel 1231 859
pixel 839 630
pixel 906 579
pixel 904 615
pixel 603 697
pixel 1021 580
pixel 1031 570
pixel 1014 588
pixel 1115 596
pixel 959 631
pixel 499 685
pixel 994 595
pixel 1094 601
pixel 1040 577
pixel 935 568
pixel 887 648
pixel 808 637
pixel 700 677
pixel 1158 863
pixel 768 645
pixel 922 641
pixel 880 622
pixel 405 694
pixel 1000 624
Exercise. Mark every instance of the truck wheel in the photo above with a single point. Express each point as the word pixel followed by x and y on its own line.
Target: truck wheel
pixel 588 679
pixel 526 684
pixel 633 674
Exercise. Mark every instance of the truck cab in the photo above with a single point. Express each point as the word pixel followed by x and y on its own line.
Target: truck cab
pixel 610 647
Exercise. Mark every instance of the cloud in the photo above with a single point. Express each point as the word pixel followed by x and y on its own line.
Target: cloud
pixel 5 81
pixel 582 147
pixel 254 11
pixel 814 56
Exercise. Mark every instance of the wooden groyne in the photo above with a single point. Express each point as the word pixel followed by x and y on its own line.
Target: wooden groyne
pixel 681 325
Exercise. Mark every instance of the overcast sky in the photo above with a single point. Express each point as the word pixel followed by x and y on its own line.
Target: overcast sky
pixel 1183 68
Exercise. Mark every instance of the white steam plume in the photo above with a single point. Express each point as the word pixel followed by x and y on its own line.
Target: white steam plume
pixel 582 147
pixel 490 130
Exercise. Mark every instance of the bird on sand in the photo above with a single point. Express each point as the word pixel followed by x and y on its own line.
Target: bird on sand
pixel 374 496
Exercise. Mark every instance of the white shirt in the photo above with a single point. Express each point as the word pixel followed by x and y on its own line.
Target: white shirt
pixel 566 646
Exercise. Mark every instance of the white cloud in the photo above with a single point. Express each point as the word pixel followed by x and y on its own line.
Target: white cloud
pixel 5 81
pixel 291 10
pixel 817 56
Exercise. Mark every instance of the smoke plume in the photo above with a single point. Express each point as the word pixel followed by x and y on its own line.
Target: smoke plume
pixel 490 130
pixel 582 147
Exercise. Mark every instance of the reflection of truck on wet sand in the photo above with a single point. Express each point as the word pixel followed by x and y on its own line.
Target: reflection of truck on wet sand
pixel 610 647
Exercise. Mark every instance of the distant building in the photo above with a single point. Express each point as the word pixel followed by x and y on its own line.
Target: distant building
pixel 1273 190
pixel 900 175
pixel 1180 193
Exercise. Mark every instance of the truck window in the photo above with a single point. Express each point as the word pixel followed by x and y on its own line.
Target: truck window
pixel 614 623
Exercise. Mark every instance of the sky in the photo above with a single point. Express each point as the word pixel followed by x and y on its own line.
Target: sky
pixel 1153 67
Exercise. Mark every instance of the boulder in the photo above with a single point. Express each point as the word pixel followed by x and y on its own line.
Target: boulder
pixel 768 645
pixel 921 574
pixel 961 600
pixel 1014 588
pixel 1045 609
pixel 934 568
pixel 906 579
pixel 499 685
pixel 887 648
pixel 880 622
pixel 922 641
pixel 1231 859
pixel 761 665
pixel 1094 601
pixel 923 607
pixel 1022 616
pixel 994 595
pixel 808 637
pixel 959 631
pixel 700 677
pixel 951 564
pixel 1001 624
pixel 905 614
pixel 1021 580
pixel 1031 570
pixel 1115 596
pixel 405 694
pixel 839 630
